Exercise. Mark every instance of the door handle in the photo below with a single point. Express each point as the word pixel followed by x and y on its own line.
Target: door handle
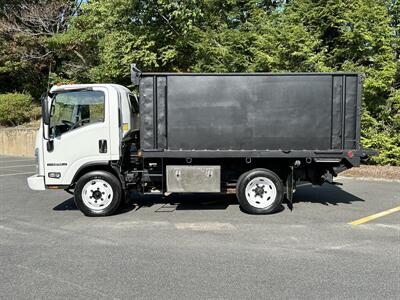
pixel 103 146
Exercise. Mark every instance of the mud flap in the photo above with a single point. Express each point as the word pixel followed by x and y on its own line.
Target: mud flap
pixel 289 188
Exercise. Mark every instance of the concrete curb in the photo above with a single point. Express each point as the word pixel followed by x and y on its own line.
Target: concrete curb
pixel 369 179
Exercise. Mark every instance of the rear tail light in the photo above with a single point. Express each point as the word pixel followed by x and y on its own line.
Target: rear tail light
pixel 350 154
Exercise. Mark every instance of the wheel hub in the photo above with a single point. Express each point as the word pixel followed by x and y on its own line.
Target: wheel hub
pixel 97 194
pixel 261 192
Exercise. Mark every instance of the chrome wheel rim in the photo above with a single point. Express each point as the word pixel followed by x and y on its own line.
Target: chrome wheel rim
pixel 97 194
pixel 260 192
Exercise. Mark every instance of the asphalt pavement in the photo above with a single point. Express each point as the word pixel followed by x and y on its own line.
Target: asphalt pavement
pixel 199 246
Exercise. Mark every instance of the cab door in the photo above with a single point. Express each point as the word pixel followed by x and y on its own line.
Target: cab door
pixel 79 133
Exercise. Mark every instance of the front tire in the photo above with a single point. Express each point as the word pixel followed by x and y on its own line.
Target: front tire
pixel 98 193
pixel 260 191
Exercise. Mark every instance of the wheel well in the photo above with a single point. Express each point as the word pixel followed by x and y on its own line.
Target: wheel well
pixel 278 170
pixel 94 167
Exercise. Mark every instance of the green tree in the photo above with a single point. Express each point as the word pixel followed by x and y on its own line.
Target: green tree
pixel 26 56
pixel 213 36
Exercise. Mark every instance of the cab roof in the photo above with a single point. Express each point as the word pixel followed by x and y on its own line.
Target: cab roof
pixel 66 87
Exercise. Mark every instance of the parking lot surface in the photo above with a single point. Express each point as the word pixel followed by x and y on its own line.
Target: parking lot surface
pixel 199 246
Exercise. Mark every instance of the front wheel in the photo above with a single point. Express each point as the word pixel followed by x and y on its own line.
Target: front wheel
pixel 98 193
pixel 260 191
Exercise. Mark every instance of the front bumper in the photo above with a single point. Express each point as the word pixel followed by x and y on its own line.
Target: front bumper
pixel 36 182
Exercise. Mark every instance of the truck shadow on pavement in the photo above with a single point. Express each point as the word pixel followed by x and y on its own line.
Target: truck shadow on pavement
pixel 168 204
pixel 69 204
pixel 326 195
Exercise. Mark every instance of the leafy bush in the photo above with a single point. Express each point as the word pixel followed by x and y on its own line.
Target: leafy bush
pixel 17 108
pixel 379 136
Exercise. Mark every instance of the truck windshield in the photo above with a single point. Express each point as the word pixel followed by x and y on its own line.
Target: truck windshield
pixel 71 110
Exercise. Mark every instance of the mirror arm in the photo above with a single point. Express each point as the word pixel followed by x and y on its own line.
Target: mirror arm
pixel 43 129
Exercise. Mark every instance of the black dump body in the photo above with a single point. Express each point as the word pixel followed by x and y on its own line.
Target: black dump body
pixel 250 115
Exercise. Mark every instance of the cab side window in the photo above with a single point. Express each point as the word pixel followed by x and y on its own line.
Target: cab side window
pixel 71 110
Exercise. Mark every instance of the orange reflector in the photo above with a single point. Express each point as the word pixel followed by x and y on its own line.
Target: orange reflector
pixel 53 187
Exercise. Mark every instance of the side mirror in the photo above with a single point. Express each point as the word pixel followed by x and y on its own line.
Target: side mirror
pixel 45 110
pixel 45 117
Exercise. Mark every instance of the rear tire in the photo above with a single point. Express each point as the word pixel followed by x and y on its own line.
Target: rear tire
pixel 98 193
pixel 260 191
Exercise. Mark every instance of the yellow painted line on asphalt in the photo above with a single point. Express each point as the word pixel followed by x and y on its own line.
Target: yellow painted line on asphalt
pixel 17 166
pixel 12 174
pixel 375 216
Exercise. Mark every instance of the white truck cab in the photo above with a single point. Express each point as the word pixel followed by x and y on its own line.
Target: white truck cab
pixel 84 128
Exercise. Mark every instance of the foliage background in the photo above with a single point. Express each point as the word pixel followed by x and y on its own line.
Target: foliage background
pixel 45 41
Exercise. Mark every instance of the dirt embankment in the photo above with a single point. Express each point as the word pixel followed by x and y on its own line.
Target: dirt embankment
pixel 385 172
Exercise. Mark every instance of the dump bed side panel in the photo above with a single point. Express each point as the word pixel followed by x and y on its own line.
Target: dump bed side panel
pixel 250 112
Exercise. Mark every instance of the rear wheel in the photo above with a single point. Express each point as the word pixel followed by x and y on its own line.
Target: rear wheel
pixel 260 191
pixel 98 193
